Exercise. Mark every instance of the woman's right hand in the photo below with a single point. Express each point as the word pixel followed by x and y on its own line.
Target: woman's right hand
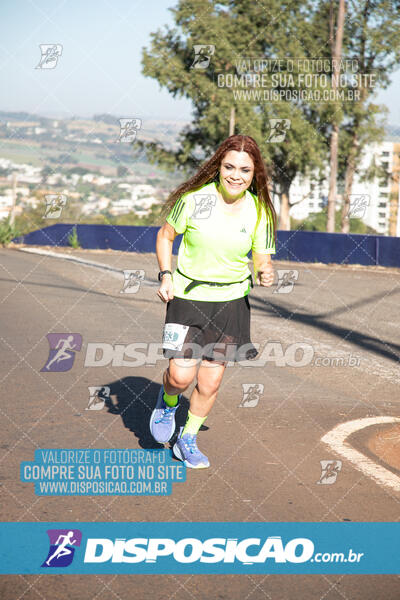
pixel 166 290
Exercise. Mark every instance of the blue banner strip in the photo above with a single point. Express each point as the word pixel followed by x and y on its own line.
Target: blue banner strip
pixel 199 548
pixel 303 246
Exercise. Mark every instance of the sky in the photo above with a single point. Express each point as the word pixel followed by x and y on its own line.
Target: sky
pixel 100 67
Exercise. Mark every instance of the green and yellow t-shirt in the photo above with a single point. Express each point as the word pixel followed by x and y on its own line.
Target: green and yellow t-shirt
pixel 215 244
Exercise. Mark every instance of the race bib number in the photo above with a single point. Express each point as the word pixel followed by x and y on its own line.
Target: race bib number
pixel 174 335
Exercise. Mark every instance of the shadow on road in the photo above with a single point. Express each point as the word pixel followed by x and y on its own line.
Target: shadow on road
pixel 135 398
pixel 379 346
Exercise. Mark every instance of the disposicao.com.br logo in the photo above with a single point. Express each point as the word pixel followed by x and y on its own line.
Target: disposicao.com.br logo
pixel 141 550
pixel 247 551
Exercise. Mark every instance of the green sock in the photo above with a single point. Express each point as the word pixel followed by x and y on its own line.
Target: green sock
pixel 193 424
pixel 170 400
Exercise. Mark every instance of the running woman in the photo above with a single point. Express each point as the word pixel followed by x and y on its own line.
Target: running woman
pixel 223 212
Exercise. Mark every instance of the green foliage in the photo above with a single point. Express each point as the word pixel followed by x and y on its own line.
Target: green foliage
pixel 46 171
pixel 317 222
pixel 30 219
pixel 169 58
pixel 63 158
pixel 152 219
pixel 73 239
pixel 78 171
pixel 7 231
pixel 266 30
pixel 372 38
pixel 105 118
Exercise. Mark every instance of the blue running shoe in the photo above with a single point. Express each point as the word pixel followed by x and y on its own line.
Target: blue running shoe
pixel 162 421
pixel 186 450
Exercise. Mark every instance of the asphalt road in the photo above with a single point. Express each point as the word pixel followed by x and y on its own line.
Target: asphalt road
pixel 265 458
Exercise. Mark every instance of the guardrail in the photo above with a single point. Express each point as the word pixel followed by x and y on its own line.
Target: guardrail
pixel 298 246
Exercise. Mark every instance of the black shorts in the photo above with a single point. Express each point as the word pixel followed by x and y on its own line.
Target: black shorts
pixel 218 331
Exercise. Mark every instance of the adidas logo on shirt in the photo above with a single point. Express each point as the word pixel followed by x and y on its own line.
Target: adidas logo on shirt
pixel 243 230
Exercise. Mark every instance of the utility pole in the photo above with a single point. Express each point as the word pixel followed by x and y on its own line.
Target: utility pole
pixel 334 142
pixel 232 121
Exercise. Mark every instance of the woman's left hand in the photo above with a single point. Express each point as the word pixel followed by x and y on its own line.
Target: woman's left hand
pixel 265 275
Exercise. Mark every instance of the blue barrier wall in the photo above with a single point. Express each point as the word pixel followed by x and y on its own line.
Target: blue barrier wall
pixel 299 246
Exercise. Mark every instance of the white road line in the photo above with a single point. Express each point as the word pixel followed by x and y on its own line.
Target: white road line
pixel 335 439
pixel 89 263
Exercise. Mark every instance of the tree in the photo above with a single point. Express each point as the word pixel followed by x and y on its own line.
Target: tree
pixel 122 171
pixel 78 171
pixel 217 112
pixel 373 39
pixel 45 172
pixel 106 118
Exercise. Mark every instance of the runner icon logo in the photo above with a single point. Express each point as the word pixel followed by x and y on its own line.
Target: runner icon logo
pixel 62 351
pixel 329 471
pixel 54 205
pixel 251 394
pixel 278 130
pixel 128 129
pixel 61 551
pixel 204 205
pixel 358 204
pixel 202 55
pixel 132 279
pixel 286 280
pixel 98 396
pixel 50 54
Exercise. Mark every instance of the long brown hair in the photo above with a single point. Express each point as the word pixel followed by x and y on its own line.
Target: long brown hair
pixel 209 172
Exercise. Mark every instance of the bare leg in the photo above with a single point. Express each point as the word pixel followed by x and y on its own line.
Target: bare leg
pixel 179 375
pixel 209 378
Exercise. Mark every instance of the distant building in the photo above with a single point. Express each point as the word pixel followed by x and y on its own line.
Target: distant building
pixel 146 203
pixel 121 207
pixel 31 201
pixel 56 179
pixel 101 180
pixel 143 194
pixel 6 202
pixel 95 205
pixel 23 190
pixel 96 179
pixel 308 195
pixel 88 177
pixel 381 196
pixel 74 178
pixel 376 192
pixel 394 211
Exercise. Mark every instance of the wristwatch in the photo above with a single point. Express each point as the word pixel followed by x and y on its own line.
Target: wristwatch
pixel 161 273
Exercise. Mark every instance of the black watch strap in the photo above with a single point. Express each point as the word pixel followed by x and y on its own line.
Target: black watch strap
pixel 161 273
